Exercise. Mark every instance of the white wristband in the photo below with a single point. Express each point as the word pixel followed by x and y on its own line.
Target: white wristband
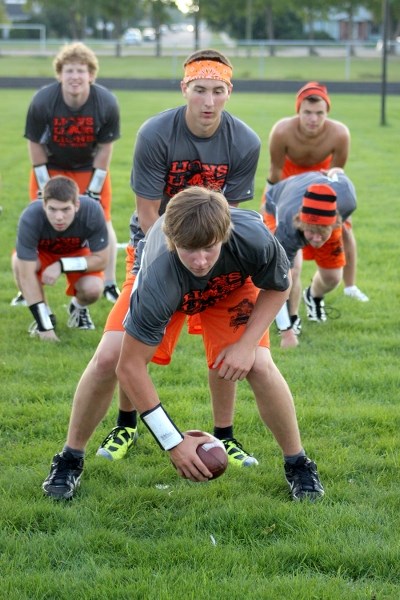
pixel 73 264
pixel 97 181
pixel 282 319
pixel 162 428
pixel 42 176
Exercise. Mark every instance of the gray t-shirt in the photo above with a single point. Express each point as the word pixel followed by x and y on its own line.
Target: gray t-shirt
pixel 71 136
pixel 168 157
pixel 164 285
pixel 87 230
pixel 284 201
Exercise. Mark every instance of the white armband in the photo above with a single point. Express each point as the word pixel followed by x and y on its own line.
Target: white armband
pixel 282 319
pixel 96 183
pixel 73 264
pixel 162 427
pixel 42 175
pixel 42 317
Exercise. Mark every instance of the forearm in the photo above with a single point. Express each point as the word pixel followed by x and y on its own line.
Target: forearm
pixel 102 158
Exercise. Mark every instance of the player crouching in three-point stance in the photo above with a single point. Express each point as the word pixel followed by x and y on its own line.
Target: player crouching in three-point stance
pixel 61 234
pixel 221 263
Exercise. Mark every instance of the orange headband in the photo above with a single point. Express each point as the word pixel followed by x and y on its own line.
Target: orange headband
pixel 207 69
pixel 313 88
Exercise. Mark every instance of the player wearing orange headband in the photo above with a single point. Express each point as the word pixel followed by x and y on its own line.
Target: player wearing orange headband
pixel 196 144
pixel 310 141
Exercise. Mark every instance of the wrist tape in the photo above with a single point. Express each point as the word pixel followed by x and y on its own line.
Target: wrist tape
pixel 162 427
pixel 96 183
pixel 42 175
pixel 41 315
pixel 282 319
pixel 73 264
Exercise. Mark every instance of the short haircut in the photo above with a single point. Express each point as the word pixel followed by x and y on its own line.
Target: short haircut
pixel 76 52
pixel 61 188
pixel 197 218
pixel 208 54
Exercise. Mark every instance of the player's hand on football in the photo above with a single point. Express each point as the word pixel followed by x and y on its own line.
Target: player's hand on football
pixel 187 462
pixel 234 362
pixel 48 336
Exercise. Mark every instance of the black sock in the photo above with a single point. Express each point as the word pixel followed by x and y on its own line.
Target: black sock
pixel 74 452
pixel 291 460
pixel 222 433
pixel 127 418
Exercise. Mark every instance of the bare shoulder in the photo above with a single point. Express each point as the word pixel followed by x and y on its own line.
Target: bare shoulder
pixel 337 128
pixel 284 128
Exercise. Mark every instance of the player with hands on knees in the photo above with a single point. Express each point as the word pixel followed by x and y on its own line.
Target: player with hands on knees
pixel 204 257
pixel 71 126
pixel 61 234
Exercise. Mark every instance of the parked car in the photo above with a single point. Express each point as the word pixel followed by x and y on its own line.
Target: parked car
pixel 132 37
pixel 149 34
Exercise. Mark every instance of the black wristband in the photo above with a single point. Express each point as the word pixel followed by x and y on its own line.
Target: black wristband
pixel 270 182
pixel 39 311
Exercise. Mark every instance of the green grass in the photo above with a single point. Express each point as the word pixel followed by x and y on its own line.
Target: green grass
pixel 137 531
pixel 300 68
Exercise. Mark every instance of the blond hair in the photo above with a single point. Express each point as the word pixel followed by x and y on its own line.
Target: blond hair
pixel 79 53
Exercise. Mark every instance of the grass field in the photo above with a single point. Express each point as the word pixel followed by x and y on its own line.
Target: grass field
pixel 323 68
pixel 138 531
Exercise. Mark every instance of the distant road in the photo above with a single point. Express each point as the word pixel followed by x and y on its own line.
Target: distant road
pixel 241 85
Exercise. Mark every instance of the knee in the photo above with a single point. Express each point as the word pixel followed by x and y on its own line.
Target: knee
pixel 105 361
pixel 91 290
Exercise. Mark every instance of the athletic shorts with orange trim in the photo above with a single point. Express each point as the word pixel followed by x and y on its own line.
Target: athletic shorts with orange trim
pixel 48 258
pixel 222 324
pixel 82 179
pixel 330 255
pixel 224 321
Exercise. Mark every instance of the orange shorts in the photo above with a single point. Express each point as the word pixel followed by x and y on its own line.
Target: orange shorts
pixel 269 221
pixel 330 255
pixel 48 258
pixel 82 179
pixel 220 325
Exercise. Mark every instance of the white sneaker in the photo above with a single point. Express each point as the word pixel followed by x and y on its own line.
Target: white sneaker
pixel 354 292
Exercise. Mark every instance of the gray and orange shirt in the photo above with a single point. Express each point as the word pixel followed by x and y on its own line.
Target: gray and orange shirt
pixel 168 157
pixel 164 285
pixel 36 234
pixel 284 200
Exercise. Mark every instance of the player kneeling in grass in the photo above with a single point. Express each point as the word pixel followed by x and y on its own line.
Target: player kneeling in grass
pixel 308 211
pixel 204 257
pixel 61 234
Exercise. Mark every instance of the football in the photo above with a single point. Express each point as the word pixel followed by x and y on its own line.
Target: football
pixel 212 454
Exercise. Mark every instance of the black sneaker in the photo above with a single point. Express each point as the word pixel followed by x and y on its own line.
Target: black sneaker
pixel 315 306
pixel 303 480
pixel 79 317
pixel 64 477
pixel 111 293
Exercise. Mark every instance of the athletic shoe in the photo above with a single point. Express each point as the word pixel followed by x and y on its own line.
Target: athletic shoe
pixel 79 318
pixel 33 328
pixel 19 300
pixel 237 455
pixel 296 324
pixel 354 292
pixel 64 477
pixel 315 306
pixel 116 445
pixel 303 480
pixel 111 293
